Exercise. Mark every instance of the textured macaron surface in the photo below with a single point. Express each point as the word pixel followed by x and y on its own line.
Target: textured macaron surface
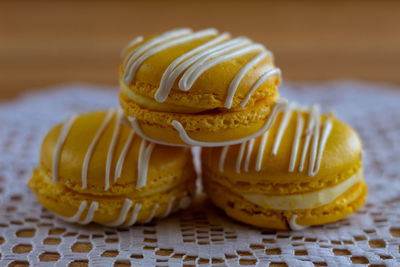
pixel 268 163
pixel 166 165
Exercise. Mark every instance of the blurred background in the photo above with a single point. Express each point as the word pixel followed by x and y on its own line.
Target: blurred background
pixel 50 42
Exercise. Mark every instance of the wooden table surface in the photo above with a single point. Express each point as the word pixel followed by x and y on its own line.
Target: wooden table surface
pixel 49 42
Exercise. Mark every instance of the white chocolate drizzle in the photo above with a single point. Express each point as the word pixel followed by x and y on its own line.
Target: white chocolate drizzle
pixel 191 65
pixel 141 53
pixel 89 152
pixel 312 133
pixel 169 208
pixel 111 148
pixel 240 156
pixel 153 212
pixel 90 214
pixel 294 226
pixel 191 142
pixel 123 213
pixel 122 156
pixel 76 217
pixel 250 145
pixel 143 162
pixel 175 69
pixel 135 214
pixel 134 42
pixel 60 142
pixel 295 147
pixel 239 76
pixel 309 131
pixel 263 78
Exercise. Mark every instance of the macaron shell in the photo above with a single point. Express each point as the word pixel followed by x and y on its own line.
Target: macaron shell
pixel 168 163
pixel 214 126
pixel 341 157
pixel 210 89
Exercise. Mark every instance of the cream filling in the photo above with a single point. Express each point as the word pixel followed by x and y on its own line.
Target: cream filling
pixel 153 105
pixel 307 200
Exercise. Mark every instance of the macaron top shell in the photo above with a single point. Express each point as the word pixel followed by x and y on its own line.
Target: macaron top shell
pixel 341 156
pixel 166 165
pixel 210 89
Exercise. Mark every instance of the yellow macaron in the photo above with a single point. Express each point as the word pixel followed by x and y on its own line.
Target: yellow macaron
pixel 197 88
pixel 94 168
pixel 305 170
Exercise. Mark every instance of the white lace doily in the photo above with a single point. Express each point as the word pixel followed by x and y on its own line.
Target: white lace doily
pixel 201 235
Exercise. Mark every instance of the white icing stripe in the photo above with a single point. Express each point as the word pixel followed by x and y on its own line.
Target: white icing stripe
pixel 135 214
pixel 314 114
pixel 121 159
pixel 250 145
pixel 324 137
pixel 131 43
pixel 60 142
pixel 261 149
pixel 183 135
pixel 314 145
pixel 88 155
pixel 239 76
pixel 194 72
pixel 185 138
pixel 191 65
pixel 215 51
pixel 282 127
pixel 240 156
pixel 75 218
pixel 270 73
pixel 294 226
pixel 295 147
pixel 90 214
pixel 143 163
pixel 222 158
pixel 111 148
pixel 132 68
pixel 133 56
pixel 153 212
pixel 176 68
pixel 169 208
pixel 122 215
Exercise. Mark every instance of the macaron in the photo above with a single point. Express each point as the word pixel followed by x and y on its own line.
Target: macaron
pixel 305 170
pixel 94 168
pixel 197 88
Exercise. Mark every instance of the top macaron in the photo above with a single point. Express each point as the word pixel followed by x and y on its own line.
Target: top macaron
pixel 205 88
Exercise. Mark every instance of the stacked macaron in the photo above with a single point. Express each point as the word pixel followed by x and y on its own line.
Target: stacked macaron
pixel 265 161
pixel 94 168
pixel 304 170
pixel 199 88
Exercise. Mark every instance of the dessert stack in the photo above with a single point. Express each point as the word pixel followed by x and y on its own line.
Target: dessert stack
pixel 266 161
